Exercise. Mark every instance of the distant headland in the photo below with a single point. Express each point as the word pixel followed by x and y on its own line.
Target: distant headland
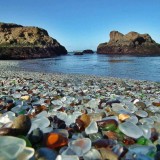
pixel 132 43
pixel 23 42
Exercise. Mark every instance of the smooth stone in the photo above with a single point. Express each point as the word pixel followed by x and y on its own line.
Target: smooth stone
pixel 157 104
pixel 61 115
pixel 16 95
pixel 132 156
pixel 27 154
pixel 57 103
pixel 36 136
pixel 104 143
pixel 108 125
pixel 110 117
pixel 70 119
pixel 95 136
pixel 5 118
pixel 93 154
pixel 41 122
pixel 116 107
pixel 26 98
pixel 132 119
pixel 17 109
pixel 157 156
pixel 92 128
pixel 107 154
pixel 11 115
pixel 141 113
pixel 47 130
pixel 85 119
pixel 147 121
pixel 143 141
pixel 119 150
pixel 93 103
pixel 11 147
pixel 80 146
pixel 8 131
pixel 135 101
pixel 141 105
pixel 42 114
pixel 67 157
pixel 157 126
pixel 28 143
pixel 55 140
pixel 22 123
pixel 45 154
pixel 63 132
pixel 130 130
pixel 97 116
pixel 67 151
pixel 123 116
pixel 138 149
pixel 146 131
pixel 112 135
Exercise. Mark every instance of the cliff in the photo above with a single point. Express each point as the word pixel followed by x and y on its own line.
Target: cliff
pixel 132 43
pixel 22 42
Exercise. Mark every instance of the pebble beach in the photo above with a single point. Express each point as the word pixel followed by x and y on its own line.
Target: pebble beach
pixel 53 116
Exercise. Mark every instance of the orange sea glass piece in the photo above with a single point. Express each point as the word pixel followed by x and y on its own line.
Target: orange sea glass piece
pixel 157 104
pixel 55 140
pixel 85 119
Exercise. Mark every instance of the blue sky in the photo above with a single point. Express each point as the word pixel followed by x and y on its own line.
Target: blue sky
pixel 83 24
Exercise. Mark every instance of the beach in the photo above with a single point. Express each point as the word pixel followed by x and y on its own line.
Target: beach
pixel 88 107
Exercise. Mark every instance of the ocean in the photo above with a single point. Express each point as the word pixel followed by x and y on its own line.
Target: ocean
pixel 132 67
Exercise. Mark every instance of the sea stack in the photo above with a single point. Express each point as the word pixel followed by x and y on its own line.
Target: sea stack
pixel 88 51
pixel 132 43
pixel 23 42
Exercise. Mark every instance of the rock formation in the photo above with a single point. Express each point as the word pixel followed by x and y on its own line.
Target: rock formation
pixel 78 53
pixel 20 42
pixel 132 43
pixel 88 51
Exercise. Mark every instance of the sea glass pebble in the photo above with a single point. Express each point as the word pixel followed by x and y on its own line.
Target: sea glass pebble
pixel 131 130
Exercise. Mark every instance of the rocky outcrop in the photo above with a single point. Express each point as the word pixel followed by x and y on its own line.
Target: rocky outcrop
pixel 132 43
pixel 78 53
pixel 88 51
pixel 20 42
